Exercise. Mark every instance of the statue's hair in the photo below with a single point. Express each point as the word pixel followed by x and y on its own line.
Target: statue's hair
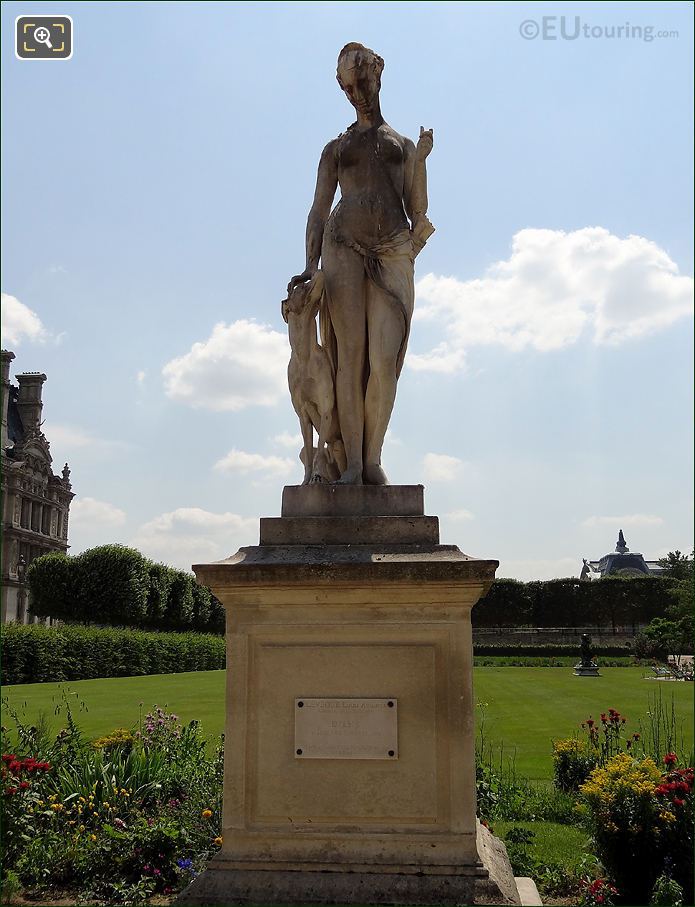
pixel 377 61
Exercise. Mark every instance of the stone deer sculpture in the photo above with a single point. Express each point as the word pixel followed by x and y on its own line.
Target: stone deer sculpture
pixel 312 384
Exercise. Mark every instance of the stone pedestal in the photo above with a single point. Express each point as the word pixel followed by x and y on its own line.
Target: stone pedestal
pixel 586 670
pixel 351 610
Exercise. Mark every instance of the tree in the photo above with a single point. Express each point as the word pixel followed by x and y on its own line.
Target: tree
pixel 678 566
pixel 51 586
pixel 663 638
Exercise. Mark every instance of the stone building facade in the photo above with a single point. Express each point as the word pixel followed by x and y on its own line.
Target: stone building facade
pixel 35 501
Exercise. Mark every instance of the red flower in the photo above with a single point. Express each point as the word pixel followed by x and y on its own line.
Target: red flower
pixel 590 722
pixel 677 801
pixel 24 785
pixel 670 759
pixel 636 736
pixel 10 791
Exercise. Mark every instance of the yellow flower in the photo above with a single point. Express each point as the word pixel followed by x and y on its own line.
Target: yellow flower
pixel 92 837
pixel 82 800
pixel 81 828
pixel 206 813
pixel 106 804
pixel 571 745
pixel 667 816
pixel 56 807
pixel 218 841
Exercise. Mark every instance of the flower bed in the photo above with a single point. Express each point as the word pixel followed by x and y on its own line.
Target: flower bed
pixel 120 819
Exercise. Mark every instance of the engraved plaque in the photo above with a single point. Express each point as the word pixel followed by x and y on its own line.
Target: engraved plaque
pixel 346 729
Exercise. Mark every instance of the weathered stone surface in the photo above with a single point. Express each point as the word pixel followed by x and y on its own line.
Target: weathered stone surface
pixel 374 530
pixel 478 884
pixel 328 565
pixel 341 622
pixel 494 857
pixel 322 499
pixel 365 292
pixel 528 892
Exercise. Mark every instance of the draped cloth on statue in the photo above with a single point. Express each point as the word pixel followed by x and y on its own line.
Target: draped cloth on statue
pixel 389 266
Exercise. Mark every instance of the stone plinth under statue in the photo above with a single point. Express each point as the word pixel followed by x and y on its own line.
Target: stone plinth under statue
pixel 349 748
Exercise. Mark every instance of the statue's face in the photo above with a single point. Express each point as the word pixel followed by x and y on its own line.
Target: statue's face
pixel 358 78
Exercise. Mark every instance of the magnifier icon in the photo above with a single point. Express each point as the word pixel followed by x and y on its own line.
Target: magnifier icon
pixel 43 36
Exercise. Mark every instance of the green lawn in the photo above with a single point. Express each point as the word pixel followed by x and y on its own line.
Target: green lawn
pixel 552 843
pixel 525 708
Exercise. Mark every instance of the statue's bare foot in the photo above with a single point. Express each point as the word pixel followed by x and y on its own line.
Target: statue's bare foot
pixel 316 479
pixel 351 476
pixel 373 474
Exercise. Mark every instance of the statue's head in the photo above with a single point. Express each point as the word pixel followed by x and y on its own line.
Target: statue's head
pixel 359 75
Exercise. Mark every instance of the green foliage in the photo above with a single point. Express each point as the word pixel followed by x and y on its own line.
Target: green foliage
pixel 612 601
pixel 50 580
pixel 547 661
pixel 572 764
pixel 678 566
pixel 179 612
pixel 663 637
pixel 36 654
pixel 116 826
pixel 113 585
pixel 548 650
pixel 641 820
pixel 667 892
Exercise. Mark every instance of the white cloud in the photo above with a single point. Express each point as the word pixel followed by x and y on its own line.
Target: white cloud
pixel 141 375
pixel 239 365
pixel 19 322
pixel 459 516
pixel 441 467
pixel 245 463
pixel 528 570
pixel 285 439
pixel 620 522
pixel 67 438
pixel 554 287
pixel 190 535
pixel 88 513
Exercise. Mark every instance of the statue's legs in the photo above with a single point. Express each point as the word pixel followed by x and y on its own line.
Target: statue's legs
pixel 385 336
pixel 346 296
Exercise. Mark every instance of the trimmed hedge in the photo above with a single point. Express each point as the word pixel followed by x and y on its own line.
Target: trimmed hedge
pixel 610 602
pixel 113 585
pixel 561 649
pixel 36 654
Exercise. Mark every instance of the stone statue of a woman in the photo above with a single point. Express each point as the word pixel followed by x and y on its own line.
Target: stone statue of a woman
pixel 367 246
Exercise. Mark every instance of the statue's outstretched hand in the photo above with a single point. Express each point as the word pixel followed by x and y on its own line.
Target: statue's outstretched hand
pixel 424 143
pixel 300 278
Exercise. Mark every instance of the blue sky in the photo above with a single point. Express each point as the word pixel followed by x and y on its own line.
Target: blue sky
pixel 156 188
